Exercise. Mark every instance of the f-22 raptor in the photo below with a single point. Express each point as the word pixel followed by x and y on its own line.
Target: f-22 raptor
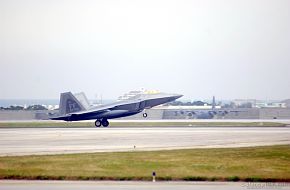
pixel 71 109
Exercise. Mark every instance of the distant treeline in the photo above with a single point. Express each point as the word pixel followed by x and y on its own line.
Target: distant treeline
pixel 194 103
pixel 29 108
pixel 201 103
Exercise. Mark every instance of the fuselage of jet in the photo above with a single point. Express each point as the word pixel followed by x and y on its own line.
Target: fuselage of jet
pixel 72 110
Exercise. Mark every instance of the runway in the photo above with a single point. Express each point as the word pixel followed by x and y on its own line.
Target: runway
pixel 39 141
pixel 109 185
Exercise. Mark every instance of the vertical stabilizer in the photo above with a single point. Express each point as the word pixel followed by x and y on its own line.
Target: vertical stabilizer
pixel 82 98
pixel 69 104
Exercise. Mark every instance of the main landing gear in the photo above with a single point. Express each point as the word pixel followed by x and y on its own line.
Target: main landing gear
pixel 103 122
pixel 144 113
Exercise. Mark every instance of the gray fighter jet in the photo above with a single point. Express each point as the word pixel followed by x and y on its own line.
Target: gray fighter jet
pixel 72 108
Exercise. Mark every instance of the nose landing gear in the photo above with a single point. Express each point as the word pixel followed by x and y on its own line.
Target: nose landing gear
pixel 103 122
pixel 145 115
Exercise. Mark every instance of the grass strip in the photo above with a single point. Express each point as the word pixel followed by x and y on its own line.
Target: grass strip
pixel 258 164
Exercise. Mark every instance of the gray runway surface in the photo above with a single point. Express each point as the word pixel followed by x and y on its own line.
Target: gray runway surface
pixel 76 185
pixel 26 141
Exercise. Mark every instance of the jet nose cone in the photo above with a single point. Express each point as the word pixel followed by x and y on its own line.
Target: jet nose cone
pixel 176 96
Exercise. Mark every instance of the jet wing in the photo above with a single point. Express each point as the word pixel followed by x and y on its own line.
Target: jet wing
pixel 93 111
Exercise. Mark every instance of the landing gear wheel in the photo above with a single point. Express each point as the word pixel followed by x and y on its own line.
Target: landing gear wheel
pixel 105 123
pixel 98 123
pixel 145 115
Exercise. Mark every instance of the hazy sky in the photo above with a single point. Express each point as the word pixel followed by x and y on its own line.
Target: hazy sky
pixel 231 49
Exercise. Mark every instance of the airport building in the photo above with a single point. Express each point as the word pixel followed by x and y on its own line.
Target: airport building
pixel 172 113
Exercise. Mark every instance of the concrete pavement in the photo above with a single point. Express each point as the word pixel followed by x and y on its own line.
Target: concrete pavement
pixel 28 141
pixel 113 185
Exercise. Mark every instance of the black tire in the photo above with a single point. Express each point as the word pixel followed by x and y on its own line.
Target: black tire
pixel 98 123
pixel 105 123
pixel 145 115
